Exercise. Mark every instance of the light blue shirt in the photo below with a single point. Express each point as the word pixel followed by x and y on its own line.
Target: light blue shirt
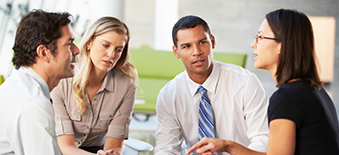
pixel 26 115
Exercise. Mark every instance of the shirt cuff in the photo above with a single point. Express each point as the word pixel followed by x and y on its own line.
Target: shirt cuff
pixel 118 131
pixel 63 126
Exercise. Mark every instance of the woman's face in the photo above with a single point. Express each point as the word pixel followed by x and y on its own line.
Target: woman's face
pixel 106 50
pixel 266 49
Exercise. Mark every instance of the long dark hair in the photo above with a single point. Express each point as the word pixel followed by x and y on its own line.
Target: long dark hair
pixel 297 58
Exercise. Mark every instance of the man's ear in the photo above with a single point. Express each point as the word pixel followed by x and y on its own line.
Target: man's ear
pixel 175 51
pixel 43 53
pixel 213 41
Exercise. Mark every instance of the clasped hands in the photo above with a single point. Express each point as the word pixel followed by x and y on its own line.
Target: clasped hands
pixel 107 152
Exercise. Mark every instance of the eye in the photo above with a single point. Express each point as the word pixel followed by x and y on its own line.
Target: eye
pixel 105 45
pixel 119 50
pixel 185 46
pixel 203 42
pixel 69 44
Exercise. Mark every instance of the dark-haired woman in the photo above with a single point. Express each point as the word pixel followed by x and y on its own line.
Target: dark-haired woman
pixel 302 117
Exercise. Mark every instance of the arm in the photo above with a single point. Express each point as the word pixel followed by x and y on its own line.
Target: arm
pixel 255 105
pixel 282 137
pixel 114 144
pixel 168 136
pixel 68 146
pixel 118 128
pixel 208 146
pixel 281 141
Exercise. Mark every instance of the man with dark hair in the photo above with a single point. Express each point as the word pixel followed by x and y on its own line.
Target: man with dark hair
pixel 43 53
pixel 210 98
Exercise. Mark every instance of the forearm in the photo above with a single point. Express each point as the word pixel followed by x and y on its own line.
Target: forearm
pixel 73 150
pixel 68 146
pixel 114 144
pixel 238 149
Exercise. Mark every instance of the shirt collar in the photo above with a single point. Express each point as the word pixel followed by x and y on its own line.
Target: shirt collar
pixel 210 84
pixel 38 78
pixel 108 83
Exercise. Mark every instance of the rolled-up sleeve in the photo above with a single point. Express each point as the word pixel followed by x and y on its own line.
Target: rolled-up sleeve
pixel 168 136
pixel 255 113
pixel 119 126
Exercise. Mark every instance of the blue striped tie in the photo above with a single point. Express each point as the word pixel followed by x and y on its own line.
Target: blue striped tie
pixel 206 122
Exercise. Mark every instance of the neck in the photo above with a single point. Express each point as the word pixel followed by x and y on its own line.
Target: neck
pixel 200 78
pixel 51 80
pixel 96 78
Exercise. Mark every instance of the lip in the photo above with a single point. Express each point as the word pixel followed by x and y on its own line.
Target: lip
pixel 256 56
pixel 107 62
pixel 198 62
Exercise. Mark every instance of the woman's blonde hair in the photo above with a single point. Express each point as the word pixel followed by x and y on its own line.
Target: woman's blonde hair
pixel 85 65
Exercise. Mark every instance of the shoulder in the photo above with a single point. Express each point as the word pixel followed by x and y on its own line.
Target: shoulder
pixel 64 87
pixel 121 79
pixel 234 69
pixel 171 86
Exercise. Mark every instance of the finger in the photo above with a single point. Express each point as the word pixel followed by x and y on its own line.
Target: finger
pixel 201 143
pixel 101 152
pixel 206 148
pixel 195 146
pixel 207 153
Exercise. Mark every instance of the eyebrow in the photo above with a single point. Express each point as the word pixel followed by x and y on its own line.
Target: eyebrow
pixel 184 44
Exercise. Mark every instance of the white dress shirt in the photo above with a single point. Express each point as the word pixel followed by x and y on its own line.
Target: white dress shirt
pixel 26 115
pixel 239 104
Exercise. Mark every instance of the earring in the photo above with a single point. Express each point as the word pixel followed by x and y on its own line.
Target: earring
pixel 87 49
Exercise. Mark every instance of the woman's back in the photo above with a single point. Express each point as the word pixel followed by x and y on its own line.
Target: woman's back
pixel 317 129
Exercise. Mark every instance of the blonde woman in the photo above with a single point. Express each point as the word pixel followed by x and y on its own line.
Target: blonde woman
pixel 93 109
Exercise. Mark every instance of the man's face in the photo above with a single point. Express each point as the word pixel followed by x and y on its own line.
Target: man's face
pixel 65 54
pixel 194 47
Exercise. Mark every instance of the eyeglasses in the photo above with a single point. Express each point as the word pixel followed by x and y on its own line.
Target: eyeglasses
pixel 258 38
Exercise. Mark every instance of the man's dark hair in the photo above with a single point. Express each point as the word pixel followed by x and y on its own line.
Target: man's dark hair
pixel 297 57
pixel 37 28
pixel 187 22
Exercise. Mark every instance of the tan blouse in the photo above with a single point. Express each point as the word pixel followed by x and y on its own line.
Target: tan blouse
pixel 109 113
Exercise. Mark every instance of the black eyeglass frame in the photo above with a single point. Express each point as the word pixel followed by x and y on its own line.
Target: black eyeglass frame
pixel 261 37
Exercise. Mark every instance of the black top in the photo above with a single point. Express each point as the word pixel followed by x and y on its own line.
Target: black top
pixel 312 110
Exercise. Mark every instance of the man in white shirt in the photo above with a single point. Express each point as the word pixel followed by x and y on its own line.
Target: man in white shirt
pixel 238 100
pixel 43 53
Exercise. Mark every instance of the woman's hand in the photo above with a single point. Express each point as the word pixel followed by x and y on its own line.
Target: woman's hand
pixel 108 152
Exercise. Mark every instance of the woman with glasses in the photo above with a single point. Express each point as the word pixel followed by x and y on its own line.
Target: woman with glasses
pixel 93 109
pixel 302 117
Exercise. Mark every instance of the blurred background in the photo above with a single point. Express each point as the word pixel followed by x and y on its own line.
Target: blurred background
pixel 234 23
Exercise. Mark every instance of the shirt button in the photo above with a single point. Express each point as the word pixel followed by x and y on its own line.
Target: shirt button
pixel 87 127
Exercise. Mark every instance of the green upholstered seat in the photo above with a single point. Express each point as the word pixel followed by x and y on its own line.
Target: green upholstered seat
pixel 155 68
pixel 1 79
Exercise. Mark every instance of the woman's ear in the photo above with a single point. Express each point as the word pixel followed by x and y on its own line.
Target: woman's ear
pixel 279 48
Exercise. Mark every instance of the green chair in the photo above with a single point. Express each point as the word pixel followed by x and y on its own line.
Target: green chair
pixel 2 80
pixel 156 68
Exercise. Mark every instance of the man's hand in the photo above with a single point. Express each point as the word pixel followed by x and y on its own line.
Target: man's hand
pixel 208 146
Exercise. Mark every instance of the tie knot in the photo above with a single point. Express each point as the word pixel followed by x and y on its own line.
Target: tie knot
pixel 202 90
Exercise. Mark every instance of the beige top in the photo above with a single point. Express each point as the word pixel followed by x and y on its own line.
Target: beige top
pixel 109 113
